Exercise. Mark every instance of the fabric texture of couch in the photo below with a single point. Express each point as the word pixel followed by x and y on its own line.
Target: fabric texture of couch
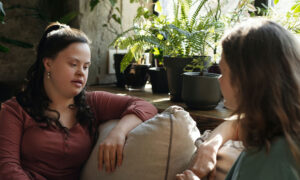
pixel 157 149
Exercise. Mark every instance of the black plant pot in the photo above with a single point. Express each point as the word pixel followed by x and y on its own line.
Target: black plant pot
pixel 201 92
pixel 119 75
pixel 214 68
pixel 158 79
pixel 174 67
pixel 136 76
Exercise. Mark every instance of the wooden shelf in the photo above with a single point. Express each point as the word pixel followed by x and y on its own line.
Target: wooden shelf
pixel 206 119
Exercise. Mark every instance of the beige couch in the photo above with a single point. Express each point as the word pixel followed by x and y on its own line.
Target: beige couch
pixel 155 150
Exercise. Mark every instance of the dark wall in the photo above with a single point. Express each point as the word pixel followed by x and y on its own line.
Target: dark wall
pixel 26 20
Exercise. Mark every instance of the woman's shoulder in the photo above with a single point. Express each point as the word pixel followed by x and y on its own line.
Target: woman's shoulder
pixel 279 151
pixel 92 95
pixel 277 163
pixel 11 109
pixel 11 103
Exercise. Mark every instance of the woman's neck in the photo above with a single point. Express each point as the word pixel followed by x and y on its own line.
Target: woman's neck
pixel 59 104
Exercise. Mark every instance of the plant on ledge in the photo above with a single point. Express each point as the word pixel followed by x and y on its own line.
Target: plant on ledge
pixel 200 89
pixel 185 36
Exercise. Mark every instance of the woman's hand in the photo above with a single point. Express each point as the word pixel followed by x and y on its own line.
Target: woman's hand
pixel 187 175
pixel 204 163
pixel 111 149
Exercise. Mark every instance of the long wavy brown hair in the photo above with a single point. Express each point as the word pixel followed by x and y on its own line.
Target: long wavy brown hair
pixel 264 61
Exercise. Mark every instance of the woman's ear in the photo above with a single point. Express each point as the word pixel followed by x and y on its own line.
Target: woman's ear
pixel 47 64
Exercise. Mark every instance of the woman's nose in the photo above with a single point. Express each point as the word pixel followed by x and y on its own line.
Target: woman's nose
pixel 80 71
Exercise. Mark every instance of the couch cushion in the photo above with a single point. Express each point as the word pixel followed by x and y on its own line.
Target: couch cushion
pixel 155 150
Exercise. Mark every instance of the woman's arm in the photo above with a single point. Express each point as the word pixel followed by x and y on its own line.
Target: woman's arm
pixel 111 149
pixel 11 129
pixel 206 156
pixel 130 110
pixel 107 106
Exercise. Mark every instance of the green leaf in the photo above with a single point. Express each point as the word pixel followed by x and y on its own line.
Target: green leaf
pixel 197 12
pixel 68 17
pixel 296 8
pixel 158 7
pixel 276 1
pixel 113 2
pixel 156 52
pixel 126 60
pixel 118 9
pixel 160 37
pixel 16 42
pixel 93 3
pixel 3 49
pixel 140 12
pixel 117 19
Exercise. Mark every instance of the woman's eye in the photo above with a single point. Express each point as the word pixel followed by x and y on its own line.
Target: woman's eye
pixel 73 65
pixel 85 67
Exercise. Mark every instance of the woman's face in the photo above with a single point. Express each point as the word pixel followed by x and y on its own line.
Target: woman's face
pixel 69 70
pixel 228 91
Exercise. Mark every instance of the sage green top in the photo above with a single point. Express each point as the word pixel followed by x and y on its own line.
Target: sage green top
pixel 278 164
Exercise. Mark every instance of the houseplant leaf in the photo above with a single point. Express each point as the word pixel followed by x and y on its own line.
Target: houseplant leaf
pixel 68 17
pixel 296 8
pixel 158 7
pixel 3 49
pixel 117 19
pixel 113 2
pixel 126 60
pixel 93 4
pixel 16 42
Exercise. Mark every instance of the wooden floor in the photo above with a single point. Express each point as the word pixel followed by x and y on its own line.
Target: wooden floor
pixel 206 119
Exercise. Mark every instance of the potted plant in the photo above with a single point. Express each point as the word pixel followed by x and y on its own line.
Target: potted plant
pixel 200 87
pixel 114 18
pixel 190 36
pixel 140 39
pixel 160 37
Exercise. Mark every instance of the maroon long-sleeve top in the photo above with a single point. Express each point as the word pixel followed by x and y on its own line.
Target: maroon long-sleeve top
pixel 30 152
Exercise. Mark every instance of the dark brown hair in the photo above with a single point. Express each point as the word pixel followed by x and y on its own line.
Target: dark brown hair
pixel 264 61
pixel 34 99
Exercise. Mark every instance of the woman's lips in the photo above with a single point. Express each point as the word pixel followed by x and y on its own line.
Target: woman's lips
pixel 77 83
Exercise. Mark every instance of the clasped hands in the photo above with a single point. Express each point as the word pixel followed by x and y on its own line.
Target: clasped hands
pixel 203 164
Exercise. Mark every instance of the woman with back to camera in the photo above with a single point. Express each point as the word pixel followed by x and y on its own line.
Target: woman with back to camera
pixel 260 82
pixel 49 129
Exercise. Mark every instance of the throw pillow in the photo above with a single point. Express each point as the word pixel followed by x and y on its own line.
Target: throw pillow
pixel 157 149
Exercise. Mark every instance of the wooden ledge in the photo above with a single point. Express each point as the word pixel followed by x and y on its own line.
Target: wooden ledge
pixel 206 119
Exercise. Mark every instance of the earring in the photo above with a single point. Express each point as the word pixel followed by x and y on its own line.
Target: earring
pixel 48 75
